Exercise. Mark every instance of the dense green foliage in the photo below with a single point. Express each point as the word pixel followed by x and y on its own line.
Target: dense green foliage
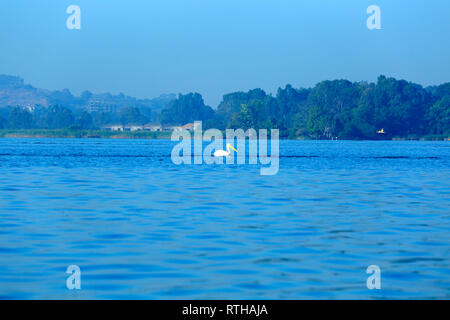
pixel 186 109
pixel 332 109
pixel 20 118
pixel 342 109
pixel 60 117
pixel 131 115
pixel 84 121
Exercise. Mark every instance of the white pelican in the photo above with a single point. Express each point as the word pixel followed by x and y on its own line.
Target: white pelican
pixel 223 153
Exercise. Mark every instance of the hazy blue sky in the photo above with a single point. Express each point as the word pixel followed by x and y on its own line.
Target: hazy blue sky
pixel 148 47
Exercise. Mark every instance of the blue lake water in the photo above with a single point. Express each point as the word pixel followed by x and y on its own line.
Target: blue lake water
pixel 141 227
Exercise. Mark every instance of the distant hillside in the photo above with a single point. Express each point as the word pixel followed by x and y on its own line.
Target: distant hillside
pixel 14 92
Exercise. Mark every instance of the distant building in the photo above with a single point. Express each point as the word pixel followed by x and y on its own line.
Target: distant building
pixel 29 108
pixel 114 127
pixel 99 105
pixel 173 128
pixel 134 128
pixel 187 126
pixel 152 127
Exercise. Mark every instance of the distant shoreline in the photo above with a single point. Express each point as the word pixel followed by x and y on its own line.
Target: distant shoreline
pixel 102 134
pixel 81 134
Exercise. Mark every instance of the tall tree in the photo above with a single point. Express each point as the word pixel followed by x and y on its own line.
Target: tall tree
pixel 439 117
pixel 186 109
pixel 327 101
pixel 20 118
pixel 131 115
pixel 58 117
pixel 84 120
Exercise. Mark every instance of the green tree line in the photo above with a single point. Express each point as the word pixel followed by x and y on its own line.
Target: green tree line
pixel 331 109
pixel 342 109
